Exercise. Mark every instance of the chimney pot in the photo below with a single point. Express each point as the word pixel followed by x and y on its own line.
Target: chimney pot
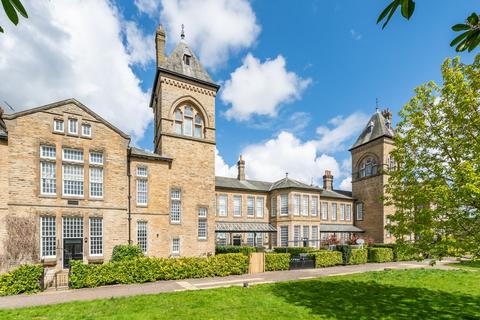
pixel 328 180
pixel 241 168
pixel 160 44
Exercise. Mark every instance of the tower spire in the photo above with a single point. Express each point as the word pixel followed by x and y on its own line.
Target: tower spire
pixel 182 35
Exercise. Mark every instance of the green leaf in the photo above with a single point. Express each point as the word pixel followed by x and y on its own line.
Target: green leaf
pixel 392 11
pixel 18 5
pixel 1 29
pixel 408 7
pixel 386 11
pixel 460 27
pixel 474 42
pixel 459 38
pixel 473 19
pixel 10 11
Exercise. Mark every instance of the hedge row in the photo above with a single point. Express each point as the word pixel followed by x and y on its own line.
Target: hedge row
pixel 246 250
pixel 123 252
pixel 359 256
pixel 294 251
pixel 24 279
pixel 399 254
pixel 277 261
pixel 380 255
pixel 141 270
pixel 326 258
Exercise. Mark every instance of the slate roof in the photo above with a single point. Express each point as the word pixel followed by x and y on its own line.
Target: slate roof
pixel 286 183
pixel 337 194
pixel 175 64
pixel 244 227
pixel 339 228
pixel 380 129
pixel 140 153
pixel 233 183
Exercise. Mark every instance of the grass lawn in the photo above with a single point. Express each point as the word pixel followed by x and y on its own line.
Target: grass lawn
pixel 397 294
pixel 471 265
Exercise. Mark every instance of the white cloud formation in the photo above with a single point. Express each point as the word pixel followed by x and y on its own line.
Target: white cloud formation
pixel 346 184
pixel 149 7
pixel 213 28
pixel 73 49
pixel 222 169
pixel 260 88
pixel 333 139
pixel 355 35
pixel 140 47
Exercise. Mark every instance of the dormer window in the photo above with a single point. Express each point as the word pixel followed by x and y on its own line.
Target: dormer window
pixel 370 126
pixel 72 126
pixel 188 122
pixel 186 59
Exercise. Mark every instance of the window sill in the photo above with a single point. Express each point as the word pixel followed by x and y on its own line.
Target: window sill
pixel 62 133
pixel 73 197
pixel 95 199
pixel 175 223
pixel 86 137
pixel 51 261
pixel 95 259
pixel 142 205
pixel 47 196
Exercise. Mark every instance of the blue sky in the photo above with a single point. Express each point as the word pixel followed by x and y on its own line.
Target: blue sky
pixel 337 62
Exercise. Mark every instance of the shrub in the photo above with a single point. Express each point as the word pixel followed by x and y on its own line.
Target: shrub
pixel 399 253
pixel 326 258
pixel 380 255
pixel 277 261
pixel 246 250
pixel 125 252
pixel 294 251
pixel 359 256
pixel 346 251
pixel 24 279
pixel 139 270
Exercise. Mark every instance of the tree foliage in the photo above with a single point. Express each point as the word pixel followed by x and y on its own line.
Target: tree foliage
pixel 435 186
pixel 12 9
pixel 469 39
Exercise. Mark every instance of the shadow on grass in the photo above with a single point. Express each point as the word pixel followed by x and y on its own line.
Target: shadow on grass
pixel 346 299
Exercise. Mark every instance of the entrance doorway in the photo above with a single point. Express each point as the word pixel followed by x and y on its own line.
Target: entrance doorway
pixel 72 239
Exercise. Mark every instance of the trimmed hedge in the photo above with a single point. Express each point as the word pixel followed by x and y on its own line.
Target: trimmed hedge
pixel 326 258
pixel 123 252
pixel 380 255
pixel 246 250
pixel 359 256
pixel 294 251
pixel 141 270
pixel 398 253
pixel 346 251
pixel 277 261
pixel 24 279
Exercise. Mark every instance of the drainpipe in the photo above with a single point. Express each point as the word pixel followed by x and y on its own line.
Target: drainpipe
pixel 129 199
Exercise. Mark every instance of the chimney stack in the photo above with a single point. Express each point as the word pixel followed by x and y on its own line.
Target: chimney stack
pixel 328 180
pixel 241 168
pixel 160 44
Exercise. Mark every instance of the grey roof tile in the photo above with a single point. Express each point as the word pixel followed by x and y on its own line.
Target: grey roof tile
pixel 340 194
pixel 244 227
pixel 380 129
pixel 286 183
pixel 149 155
pixel 233 183
pixel 339 228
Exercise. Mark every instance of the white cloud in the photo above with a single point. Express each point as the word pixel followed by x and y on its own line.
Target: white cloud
pixel 346 184
pixel 73 49
pixel 214 28
pixel 222 169
pixel 355 35
pixel 140 47
pixel 260 88
pixel 333 139
pixel 149 7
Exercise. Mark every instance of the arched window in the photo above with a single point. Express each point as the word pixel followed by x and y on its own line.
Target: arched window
pixel 188 122
pixel 391 163
pixel 368 167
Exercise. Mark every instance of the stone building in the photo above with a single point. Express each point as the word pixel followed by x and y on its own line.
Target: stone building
pixel 72 186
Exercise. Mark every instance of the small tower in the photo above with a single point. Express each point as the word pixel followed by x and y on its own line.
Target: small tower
pixel 241 168
pixel 370 155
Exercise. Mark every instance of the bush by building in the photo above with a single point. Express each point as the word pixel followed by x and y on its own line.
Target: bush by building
pixel 327 258
pixel 358 256
pixel 139 270
pixel 24 279
pixel 294 251
pixel 277 261
pixel 246 250
pixel 380 255
pixel 123 252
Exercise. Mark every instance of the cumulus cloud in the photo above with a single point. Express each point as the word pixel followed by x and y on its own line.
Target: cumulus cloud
pixel 222 169
pixel 260 88
pixel 333 139
pixel 346 184
pixel 149 7
pixel 73 49
pixel 233 27
pixel 140 47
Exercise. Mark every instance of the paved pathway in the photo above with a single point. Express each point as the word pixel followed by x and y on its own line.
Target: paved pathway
pixel 62 296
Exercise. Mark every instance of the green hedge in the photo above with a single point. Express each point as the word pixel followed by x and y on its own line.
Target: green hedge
pixel 359 256
pixel 327 258
pixel 24 279
pixel 399 254
pixel 277 261
pixel 246 250
pixel 346 251
pixel 380 255
pixel 123 252
pixel 294 251
pixel 141 270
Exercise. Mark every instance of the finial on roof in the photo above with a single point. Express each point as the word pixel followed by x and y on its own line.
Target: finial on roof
pixel 286 175
pixel 182 35
pixel 377 105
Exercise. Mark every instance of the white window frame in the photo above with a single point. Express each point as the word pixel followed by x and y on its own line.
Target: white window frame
pixel 74 151
pixel 142 171
pixel 142 192
pixel 58 121
pixel 283 236
pixel 52 180
pixel 273 206
pixel 359 213
pixel 306 233
pixel 202 233
pixel 315 236
pixel 84 132
pixel 284 204
pixel 82 180
pixel 100 182
pixel 324 210
pixel 175 206
pixel 222 208
pixel 94 237
pixel 334 211
pixel 296 235
pixel 237 206
pixel 259 207
pixel 296 204
pixel 342 212
pixel 176 243
pixel 70 121
pixel 94 156
pixel 348 212
pixel 49 235
pixel 251 206
pixel 314 206
pixel 142 235
pixel 305 205
pixel 46 152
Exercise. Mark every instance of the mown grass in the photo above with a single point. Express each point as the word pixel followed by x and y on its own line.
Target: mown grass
pixel 396 294
pixel 472 265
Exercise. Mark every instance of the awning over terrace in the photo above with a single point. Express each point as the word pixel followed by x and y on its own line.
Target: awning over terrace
pixel 244 227
pixel 340 228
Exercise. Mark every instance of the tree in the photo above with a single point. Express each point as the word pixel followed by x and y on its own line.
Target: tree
pixel 468 40
pixel 435 185
pixel 11 8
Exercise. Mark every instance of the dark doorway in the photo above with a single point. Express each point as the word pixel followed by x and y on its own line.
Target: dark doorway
pixel 237 240
pixel 72 250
